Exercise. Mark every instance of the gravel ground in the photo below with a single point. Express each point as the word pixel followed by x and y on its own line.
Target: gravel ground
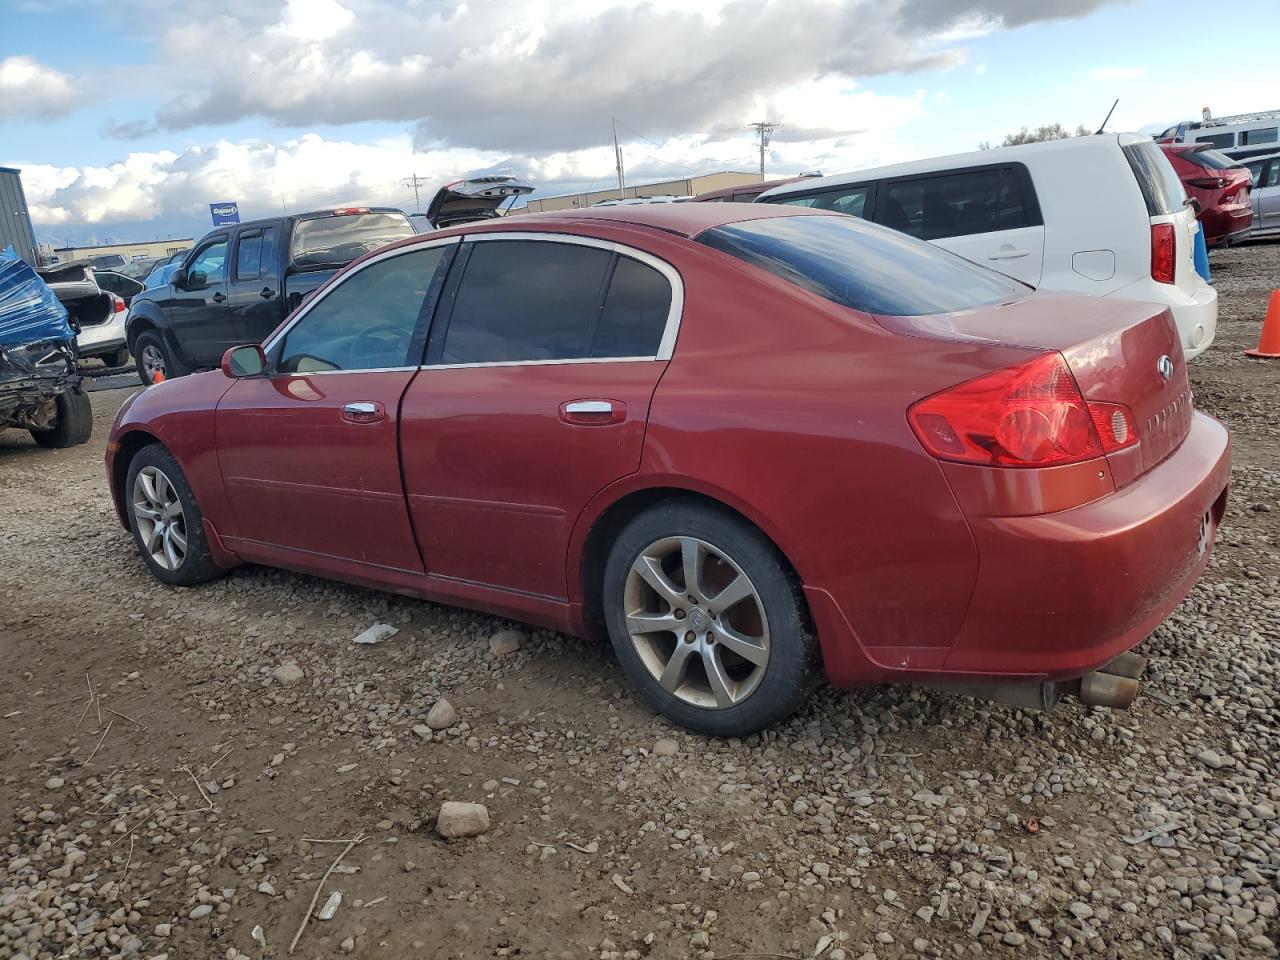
pixel 164 811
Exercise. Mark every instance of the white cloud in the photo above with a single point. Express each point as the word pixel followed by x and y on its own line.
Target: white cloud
pixel 1118 73
pixel 30 89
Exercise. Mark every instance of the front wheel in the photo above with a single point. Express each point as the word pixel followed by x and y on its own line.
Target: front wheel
pixel 166 521
pixel 707 620
pixel 154 362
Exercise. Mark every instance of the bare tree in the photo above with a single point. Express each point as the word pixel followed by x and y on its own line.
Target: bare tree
pixel 1054 131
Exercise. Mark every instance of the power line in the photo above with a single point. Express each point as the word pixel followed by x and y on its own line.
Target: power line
pixel 415 181
pixel 764 130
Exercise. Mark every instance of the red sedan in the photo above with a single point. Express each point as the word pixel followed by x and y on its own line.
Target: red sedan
pixel 753 444
pixel 1219 185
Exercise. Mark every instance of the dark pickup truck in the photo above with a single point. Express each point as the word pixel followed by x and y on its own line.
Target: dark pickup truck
pixel 239 283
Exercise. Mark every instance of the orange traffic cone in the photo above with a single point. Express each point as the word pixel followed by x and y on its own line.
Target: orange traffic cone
pixel 1269 343
pixel 158 376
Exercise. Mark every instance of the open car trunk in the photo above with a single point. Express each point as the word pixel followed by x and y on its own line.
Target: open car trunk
pixel 480 198
pixel 75 287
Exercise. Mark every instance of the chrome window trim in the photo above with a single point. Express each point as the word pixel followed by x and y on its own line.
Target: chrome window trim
pixel 666 346
pixel 270 344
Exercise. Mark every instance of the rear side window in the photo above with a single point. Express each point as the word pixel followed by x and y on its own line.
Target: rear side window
pixel 1260 135
pixel 863 266
pixel 1162 191
pixel 1220 140
pixel 851 200
pixel 955 204
pixel 523 300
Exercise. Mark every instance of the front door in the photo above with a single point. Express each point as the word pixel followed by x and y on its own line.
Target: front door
pixel 309 450
pixel 1266 192
pixel 197 305
pixel 534 397
pixel 253 295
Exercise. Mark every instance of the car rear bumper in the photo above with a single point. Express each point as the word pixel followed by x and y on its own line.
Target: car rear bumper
pixel 1061 594
pixel 1195 312
pixel 102 337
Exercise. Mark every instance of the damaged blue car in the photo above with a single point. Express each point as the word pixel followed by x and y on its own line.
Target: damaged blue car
pixel 40 390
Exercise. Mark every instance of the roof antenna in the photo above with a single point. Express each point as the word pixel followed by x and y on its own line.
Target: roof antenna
pixel 1109 113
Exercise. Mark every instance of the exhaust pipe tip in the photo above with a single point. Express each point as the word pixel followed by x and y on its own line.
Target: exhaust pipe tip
pixel 1108 690
pixel 1130 665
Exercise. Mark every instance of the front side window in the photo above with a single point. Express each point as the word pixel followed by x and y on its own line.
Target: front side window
pixel 522 300
pixel 211 261
pixel 1272 177
pixel 863 266
pixel 850 200
pixel 253 253
pixel 367 322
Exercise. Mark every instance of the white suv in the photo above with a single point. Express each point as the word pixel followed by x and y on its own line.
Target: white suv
pixel 1103 214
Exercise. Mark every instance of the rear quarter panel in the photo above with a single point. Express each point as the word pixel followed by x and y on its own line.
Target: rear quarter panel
pixel 792 410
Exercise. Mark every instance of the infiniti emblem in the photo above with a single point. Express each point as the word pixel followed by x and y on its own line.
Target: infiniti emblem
pixel 1164 366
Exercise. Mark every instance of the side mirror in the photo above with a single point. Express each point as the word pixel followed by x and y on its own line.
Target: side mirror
pixel 246 361
pixel 195 280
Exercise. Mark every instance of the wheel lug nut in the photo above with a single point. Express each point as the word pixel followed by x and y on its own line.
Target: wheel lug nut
pixel 679 614
pixel 688 637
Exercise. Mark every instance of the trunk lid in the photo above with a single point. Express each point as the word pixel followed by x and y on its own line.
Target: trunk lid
pixel 1119 351
pixel 476 199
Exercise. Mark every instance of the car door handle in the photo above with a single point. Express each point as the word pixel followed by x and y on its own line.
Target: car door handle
pixel 593 413
pixel 219 297
pixel 1008 253
pixel 363 411
pixel 267 293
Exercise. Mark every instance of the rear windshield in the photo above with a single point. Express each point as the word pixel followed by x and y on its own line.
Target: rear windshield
pixel 1161 189
pixel 337 240
pixel 1213 160
pixel 863 265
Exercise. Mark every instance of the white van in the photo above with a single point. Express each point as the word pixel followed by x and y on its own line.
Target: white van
pixel 1104 215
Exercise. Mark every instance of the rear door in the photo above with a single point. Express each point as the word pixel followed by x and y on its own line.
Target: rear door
pixel 535 396
pixel 197 304
pixel 309 450
pixel 989 215
pixel 253 294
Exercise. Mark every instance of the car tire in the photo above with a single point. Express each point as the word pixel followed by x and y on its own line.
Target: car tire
pixel 117 358
pixel 166 522
pixel 718 661
pixel 74 425
pixel 151 355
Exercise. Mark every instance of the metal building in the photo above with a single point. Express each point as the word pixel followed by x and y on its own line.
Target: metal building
pixel 15 220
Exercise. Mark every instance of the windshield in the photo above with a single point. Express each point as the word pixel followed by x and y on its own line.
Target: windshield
pixel 863 265
pixel 337 240
pixel 1213 160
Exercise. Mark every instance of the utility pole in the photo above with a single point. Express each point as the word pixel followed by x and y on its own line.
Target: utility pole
pixel 764 130
pixel 617 160
pixel 415 181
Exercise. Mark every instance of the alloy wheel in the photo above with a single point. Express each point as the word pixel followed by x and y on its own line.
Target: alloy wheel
pixel 697 622
pixel 162 525
pixel 152 362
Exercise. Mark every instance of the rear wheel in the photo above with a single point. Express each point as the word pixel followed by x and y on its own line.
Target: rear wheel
pixel 707 621
pixel 117 358
pixel 154 361
pixel 74 424
pixel 166 521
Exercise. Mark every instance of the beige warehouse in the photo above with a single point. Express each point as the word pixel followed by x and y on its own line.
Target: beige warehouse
pixel 684 187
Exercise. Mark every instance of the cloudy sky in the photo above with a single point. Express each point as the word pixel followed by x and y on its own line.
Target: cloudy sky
pixel 129 117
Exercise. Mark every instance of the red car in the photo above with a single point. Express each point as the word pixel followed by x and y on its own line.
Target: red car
pixel 1219 185
pixel 753 444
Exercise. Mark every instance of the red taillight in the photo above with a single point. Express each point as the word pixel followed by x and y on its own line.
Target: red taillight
pixel 1208 183
pixel 1163 249
pixel 118 306
pixel 1114 425
pixel 348 211
pixel 1029 415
